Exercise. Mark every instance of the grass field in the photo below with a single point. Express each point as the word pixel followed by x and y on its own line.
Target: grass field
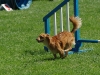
pixel 20 54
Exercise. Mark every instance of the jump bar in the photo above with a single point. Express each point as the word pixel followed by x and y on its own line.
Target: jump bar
pixel 89 41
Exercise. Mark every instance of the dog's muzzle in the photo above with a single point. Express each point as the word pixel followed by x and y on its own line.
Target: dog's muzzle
pixel 39 41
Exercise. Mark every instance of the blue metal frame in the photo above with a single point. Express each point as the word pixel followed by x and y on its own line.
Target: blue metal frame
pixel 47 26
pixel 55 9
pixel 89 41
pixel 76 11
pixel 77 33
pixel 47 30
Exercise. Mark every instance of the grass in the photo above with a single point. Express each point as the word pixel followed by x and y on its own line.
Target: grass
pixel 20 54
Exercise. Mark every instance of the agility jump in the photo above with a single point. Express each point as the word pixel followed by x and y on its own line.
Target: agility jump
pixel 46 20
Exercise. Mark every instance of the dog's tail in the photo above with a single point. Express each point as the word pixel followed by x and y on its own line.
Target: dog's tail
pixel 77 22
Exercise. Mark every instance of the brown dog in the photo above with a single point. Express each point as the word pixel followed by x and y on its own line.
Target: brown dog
pixel 63 41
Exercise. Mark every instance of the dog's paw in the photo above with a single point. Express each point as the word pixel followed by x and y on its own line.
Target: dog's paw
pixel 65 53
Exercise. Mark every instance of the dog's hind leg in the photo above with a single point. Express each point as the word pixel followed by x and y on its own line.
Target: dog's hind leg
pixel 68 49
pixel 60 50
pixel 69 45
pixel 62 53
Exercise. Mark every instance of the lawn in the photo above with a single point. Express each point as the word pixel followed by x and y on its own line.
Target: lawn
pixel 20 54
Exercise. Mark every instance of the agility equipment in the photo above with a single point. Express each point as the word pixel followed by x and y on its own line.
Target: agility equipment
pixel 46 20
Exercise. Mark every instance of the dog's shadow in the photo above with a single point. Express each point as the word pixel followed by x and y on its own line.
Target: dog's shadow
pixel 35 53
pixel 29 52
pixel 51 59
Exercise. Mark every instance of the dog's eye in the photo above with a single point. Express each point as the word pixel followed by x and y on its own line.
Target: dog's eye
pixel 41 37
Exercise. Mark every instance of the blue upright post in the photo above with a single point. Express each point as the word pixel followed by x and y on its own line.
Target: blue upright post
pixel 76 11
pixel 47 30
pixel 77 33
pixel 47 26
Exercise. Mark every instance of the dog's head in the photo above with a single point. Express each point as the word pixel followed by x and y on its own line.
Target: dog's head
pixel 42 38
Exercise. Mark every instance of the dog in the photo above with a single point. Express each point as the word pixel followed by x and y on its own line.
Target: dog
pixel 63 41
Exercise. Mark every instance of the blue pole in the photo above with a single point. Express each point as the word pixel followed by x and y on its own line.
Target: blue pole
pixel 76 12
pixel 47 26
pixel 47 30
pixel 77 33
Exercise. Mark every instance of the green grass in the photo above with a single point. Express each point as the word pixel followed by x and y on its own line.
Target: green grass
pixel 20 54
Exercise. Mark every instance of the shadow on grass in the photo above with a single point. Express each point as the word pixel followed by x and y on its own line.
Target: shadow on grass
pixel 50 59
pixel 29 52
pixel 34 52
pixel 39 56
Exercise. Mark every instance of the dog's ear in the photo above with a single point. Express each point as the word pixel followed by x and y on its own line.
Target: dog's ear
pixel 48 37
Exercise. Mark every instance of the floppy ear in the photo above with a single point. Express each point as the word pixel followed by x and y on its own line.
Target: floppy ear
pixel 48 37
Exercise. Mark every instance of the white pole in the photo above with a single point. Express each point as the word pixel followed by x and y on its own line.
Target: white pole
pixel 98 41
pixel 55 24
pixel 68 22
pixel 61 19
